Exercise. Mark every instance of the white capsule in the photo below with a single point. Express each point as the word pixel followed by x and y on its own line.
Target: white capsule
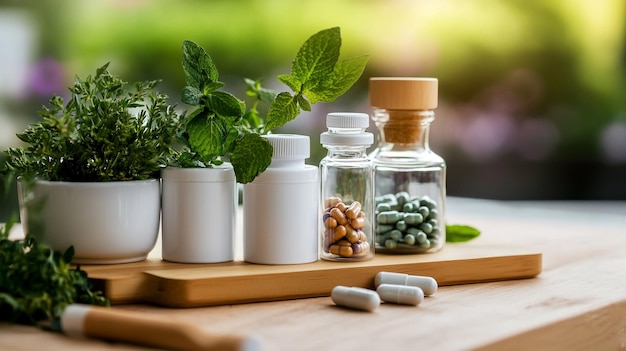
pixel 427 284
pixel 356 298
pixel 400 294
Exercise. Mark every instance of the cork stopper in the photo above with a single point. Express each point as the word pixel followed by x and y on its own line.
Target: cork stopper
pixel 406 102
pixel 403 93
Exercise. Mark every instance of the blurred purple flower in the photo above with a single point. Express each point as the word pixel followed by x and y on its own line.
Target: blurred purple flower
pixel 45 78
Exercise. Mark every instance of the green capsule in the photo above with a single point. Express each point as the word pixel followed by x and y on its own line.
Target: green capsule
pixel 428 202
pixel 403 197
pixel 408 207
pixel 421 238
pixel 388 217
pixel 381 238
pixel 424 211
pixel 409 239
pixel 391 244
pixel 389 198
pixel 401 225
pixel 413 218
pixel 383 207
pixel 426 228
pixel 426 244
pixel 433 222
pixel 434 234
pixel 383 228
pixel 434 213
pixel 395 234
pixel 413 231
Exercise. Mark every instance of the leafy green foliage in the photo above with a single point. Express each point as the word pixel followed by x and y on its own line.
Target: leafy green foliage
pixel 460 233
pixel 37 283
pixel 210 131
pixel 220 125
pixel 317 75
pixel 103 133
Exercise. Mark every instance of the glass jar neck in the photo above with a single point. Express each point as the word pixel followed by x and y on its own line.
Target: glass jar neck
pixel 403 129
pixel 346 152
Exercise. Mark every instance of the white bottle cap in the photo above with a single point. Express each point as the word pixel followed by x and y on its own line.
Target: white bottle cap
pixel 353 125
pixel 289 146
pixel 350 120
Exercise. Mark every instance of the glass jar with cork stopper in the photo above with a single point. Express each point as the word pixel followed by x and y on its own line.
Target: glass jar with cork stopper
pixel 409 178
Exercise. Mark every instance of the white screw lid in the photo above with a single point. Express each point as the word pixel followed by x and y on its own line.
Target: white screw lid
pixel 353 125
pixel 349 120
pixel 289 146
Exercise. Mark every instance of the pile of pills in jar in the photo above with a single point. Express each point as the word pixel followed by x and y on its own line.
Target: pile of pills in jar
pixel 402 221
pixel 343 234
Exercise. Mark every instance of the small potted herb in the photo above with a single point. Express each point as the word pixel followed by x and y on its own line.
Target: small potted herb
pixel 91 168
pixel 222 142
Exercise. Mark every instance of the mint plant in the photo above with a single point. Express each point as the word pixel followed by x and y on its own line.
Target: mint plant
pixel 220 126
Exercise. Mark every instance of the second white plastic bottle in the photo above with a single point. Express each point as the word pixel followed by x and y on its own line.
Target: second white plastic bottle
pixel 280 206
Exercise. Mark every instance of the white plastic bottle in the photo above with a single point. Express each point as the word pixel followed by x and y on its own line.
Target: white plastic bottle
pixel 280 206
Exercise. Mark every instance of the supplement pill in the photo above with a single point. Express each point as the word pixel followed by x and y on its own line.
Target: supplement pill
pixel 388 217
pixel 353 211
pixel 427 284
pixel 355 298
pixel 338 216
pixel 400 294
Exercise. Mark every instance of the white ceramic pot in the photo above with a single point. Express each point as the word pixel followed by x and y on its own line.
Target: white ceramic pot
pixel 199 214
pixel 106 222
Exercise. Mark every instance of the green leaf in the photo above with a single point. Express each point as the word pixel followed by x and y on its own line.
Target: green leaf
pixel 316 58
pixel 198 66
pixel 345 74
pixel 460 233
pixel 207 136
pixel 303 103
pixel 252 118
pixel 251 156
pixel 211 87
pixel 293 84
pixel 68 255
pixel 284 109
pixel 226 106
pixel 191 95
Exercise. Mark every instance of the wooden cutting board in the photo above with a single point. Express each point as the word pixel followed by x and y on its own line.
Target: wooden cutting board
pixel 192 285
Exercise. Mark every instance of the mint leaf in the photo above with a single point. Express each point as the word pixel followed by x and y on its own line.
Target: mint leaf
pixel 251 156
pixel 198 66
pixel 226 106
pixel 303 103
pixel 254 89
pixel 191 95
pixel 284 109
pixel 460 233
pixel 317 57
pixel 211 87
pixel 293 83
pixel 345 74
pixel 207 136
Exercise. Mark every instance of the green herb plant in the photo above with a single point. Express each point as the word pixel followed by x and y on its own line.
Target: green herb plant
pixel 103 133
pixel 36 283
pixel 219 125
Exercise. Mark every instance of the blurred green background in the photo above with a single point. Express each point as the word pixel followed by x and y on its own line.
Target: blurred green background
pixel 532 99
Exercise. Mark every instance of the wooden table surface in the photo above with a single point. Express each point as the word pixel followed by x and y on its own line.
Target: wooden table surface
pixel 578 302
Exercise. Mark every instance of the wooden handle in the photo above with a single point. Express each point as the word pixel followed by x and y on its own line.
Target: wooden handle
pixel 115 325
